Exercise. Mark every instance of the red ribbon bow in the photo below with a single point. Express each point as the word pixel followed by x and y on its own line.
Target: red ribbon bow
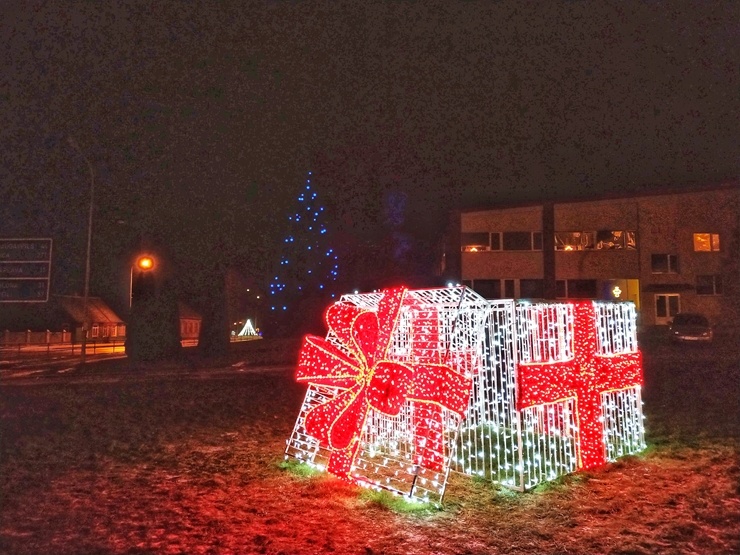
pixel 367 377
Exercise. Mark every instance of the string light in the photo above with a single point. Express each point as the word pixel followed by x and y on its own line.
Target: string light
pixel 306 263
pixel 367 377
pixel 553 388
pixel 584 377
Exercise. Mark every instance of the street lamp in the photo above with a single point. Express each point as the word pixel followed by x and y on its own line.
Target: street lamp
pixel 86 293
pixel 144 263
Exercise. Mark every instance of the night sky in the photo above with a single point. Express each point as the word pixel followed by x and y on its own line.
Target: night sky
pixel 202 119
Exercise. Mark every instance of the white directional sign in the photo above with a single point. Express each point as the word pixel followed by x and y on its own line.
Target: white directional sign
pixel 25 269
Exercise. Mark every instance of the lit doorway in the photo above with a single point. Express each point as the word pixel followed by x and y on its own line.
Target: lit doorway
pixel 622 290
pixel 666 307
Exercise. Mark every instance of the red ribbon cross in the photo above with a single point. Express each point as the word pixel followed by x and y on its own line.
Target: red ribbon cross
pixel 585 378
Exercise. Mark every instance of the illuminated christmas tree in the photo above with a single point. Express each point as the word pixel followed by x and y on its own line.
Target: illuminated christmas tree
pixel 308 267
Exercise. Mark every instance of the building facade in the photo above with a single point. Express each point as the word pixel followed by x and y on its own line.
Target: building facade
pixel 668 252
pixel 190 322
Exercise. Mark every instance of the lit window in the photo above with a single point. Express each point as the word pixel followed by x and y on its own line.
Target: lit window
pixel 664 263
pixel 475 242
pixel 616 240
pixel 709 285
pixel 706 242
pixel 574 240
pixel 95 330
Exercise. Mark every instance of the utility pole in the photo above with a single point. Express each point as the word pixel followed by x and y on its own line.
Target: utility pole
pixel 86 293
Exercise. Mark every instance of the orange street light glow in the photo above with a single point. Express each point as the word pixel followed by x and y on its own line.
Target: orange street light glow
pixel 145 263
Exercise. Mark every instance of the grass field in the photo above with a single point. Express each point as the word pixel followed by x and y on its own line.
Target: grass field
pixel 188 459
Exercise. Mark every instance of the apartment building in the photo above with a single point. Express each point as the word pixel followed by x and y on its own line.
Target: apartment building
pixel 666 252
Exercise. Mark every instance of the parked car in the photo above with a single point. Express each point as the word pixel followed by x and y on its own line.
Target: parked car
pixel 690 327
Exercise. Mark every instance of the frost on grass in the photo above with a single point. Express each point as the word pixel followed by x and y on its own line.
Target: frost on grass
pixel 191 466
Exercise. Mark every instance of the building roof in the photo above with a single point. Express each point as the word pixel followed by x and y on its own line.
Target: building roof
pixel 647 192
pixel 187 313
pixel 98 311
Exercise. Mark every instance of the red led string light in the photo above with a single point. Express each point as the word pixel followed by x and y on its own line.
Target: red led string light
pixel 585 377
pixel 368 378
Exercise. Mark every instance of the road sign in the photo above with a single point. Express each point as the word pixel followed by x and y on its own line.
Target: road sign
pixel 24 290
pixel 12 270
pixel 25 269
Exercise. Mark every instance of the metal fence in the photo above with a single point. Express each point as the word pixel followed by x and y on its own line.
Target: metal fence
pixel 57 349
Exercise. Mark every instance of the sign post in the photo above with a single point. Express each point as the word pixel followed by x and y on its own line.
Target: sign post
pixel 25 270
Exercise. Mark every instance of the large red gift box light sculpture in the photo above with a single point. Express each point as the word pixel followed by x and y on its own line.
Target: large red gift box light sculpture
pixel 408 385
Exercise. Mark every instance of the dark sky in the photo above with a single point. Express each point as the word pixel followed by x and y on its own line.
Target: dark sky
pixel 202 118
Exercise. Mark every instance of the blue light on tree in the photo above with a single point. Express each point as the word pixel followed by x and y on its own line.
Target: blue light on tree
pixel 307 263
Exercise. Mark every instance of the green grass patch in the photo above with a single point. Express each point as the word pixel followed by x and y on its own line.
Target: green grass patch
pixel 397 503
pixel 298 468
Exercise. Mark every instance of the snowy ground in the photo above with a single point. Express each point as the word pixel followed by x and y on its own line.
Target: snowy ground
pixel 186 458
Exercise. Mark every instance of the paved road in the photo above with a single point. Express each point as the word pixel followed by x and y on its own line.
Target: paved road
pixel 41 365
pixel 114 368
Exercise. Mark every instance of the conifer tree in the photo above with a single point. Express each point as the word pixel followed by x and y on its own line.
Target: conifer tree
pixel 307 273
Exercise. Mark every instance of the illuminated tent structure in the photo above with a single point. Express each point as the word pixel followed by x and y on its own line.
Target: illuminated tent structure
pixel 247 330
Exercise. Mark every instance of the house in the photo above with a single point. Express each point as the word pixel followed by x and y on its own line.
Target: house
pixel 105 325
pixel 190 322
pixel 665 251
pixel 60 321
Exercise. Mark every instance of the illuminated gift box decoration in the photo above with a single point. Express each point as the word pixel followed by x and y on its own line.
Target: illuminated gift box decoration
pixel 408 385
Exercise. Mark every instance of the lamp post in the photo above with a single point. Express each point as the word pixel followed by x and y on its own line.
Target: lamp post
pixel 144 263
pixel 86 293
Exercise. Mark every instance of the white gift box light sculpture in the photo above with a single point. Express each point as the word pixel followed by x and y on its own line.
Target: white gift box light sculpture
pixel 408 385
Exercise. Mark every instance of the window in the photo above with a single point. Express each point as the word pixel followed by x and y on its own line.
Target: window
pixel 537 240
pixel 488 288
pixel 495 241
pixel 709 285
pixel 531 288
pixel 666 306
pixel 574 240
pixel 95 330
pixel 582 289
pixel 561 292
pixel 706 242
pixel 522 240
pixel 576 289
pixel 474 242
pixel 664 263
pixel 614 240
pixel 509 289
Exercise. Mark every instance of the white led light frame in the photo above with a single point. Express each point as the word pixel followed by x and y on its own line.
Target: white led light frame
pixel 495 441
